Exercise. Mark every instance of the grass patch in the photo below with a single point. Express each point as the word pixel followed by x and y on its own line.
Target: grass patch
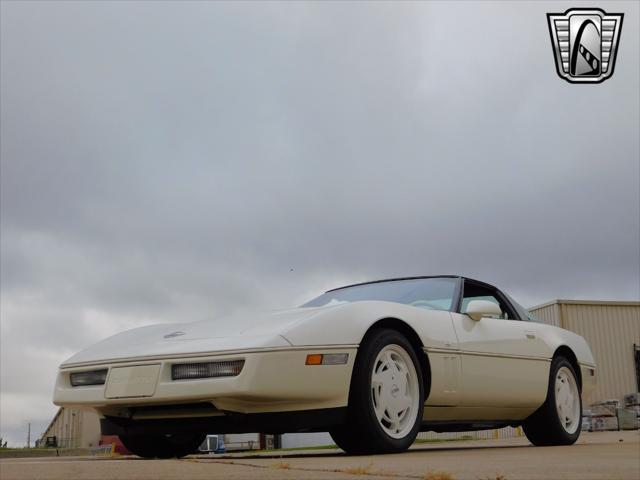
pixel 334 447
pixel 43 452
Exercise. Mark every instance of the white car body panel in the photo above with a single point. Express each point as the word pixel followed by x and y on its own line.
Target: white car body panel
pixel 489 369
pixel 260 387
pixel 234 332
pixel 497 352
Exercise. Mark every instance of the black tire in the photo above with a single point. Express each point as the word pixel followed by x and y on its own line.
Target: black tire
pixel 163 446
pixel 363 433
pixel 545 427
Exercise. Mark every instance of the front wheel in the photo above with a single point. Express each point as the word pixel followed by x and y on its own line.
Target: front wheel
pixel 386 397
pixel 162 446
pixel 558 420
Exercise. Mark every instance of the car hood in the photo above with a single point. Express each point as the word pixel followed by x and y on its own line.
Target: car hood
pixel 248 330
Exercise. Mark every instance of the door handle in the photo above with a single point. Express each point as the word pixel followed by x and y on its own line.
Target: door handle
pixel 530 335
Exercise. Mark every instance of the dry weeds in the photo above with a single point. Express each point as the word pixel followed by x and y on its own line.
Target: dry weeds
pixel 282 465
pixel 438 476
pixel 361 470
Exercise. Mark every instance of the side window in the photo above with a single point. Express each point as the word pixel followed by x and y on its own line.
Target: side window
pixel 479 292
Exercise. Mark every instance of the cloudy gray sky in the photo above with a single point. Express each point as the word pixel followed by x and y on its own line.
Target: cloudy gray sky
pixel 170 162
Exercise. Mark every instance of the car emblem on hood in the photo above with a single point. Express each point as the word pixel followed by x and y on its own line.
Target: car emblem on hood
pixel 174 334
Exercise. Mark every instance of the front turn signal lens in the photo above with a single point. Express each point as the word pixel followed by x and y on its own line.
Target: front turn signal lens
pixel 314 359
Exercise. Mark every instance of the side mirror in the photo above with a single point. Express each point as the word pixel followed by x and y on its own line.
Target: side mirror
pixel 482 308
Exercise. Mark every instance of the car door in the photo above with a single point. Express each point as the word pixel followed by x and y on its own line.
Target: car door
pixel 504 363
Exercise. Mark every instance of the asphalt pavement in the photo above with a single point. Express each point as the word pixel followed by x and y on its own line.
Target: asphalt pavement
pixel 603 455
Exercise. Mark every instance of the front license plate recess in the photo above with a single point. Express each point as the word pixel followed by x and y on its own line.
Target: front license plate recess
pixel 138 381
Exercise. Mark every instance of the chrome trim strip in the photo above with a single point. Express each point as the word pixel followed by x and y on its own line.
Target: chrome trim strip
pixel 450 351
pixel 109 361
pixel 446 351
pixel 502 355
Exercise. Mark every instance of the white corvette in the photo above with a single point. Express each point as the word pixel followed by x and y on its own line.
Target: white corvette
pixel 372 363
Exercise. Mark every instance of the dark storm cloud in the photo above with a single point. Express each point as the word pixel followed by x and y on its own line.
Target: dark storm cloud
pixel 167 162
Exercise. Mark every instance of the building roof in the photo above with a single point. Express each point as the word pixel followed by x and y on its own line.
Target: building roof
pixel 618 303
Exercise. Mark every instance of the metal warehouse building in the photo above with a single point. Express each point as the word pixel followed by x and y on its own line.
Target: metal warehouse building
pixel 612 329
pixel 74 428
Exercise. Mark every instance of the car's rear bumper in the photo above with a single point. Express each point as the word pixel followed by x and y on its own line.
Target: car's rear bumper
pixel 270 381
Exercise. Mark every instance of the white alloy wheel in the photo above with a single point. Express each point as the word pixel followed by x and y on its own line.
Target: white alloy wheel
pixel 567 398
pixel 395 391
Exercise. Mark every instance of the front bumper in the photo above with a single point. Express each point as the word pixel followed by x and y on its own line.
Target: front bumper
pixel 270 381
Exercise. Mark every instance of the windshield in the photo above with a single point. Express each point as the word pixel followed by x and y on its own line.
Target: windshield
pixel 429 293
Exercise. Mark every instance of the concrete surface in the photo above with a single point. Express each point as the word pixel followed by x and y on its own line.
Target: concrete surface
pixel 604 455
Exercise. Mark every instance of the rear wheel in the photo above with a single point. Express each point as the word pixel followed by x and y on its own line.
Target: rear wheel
pixel 386 397
pixel 558 420
pixel 163 446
